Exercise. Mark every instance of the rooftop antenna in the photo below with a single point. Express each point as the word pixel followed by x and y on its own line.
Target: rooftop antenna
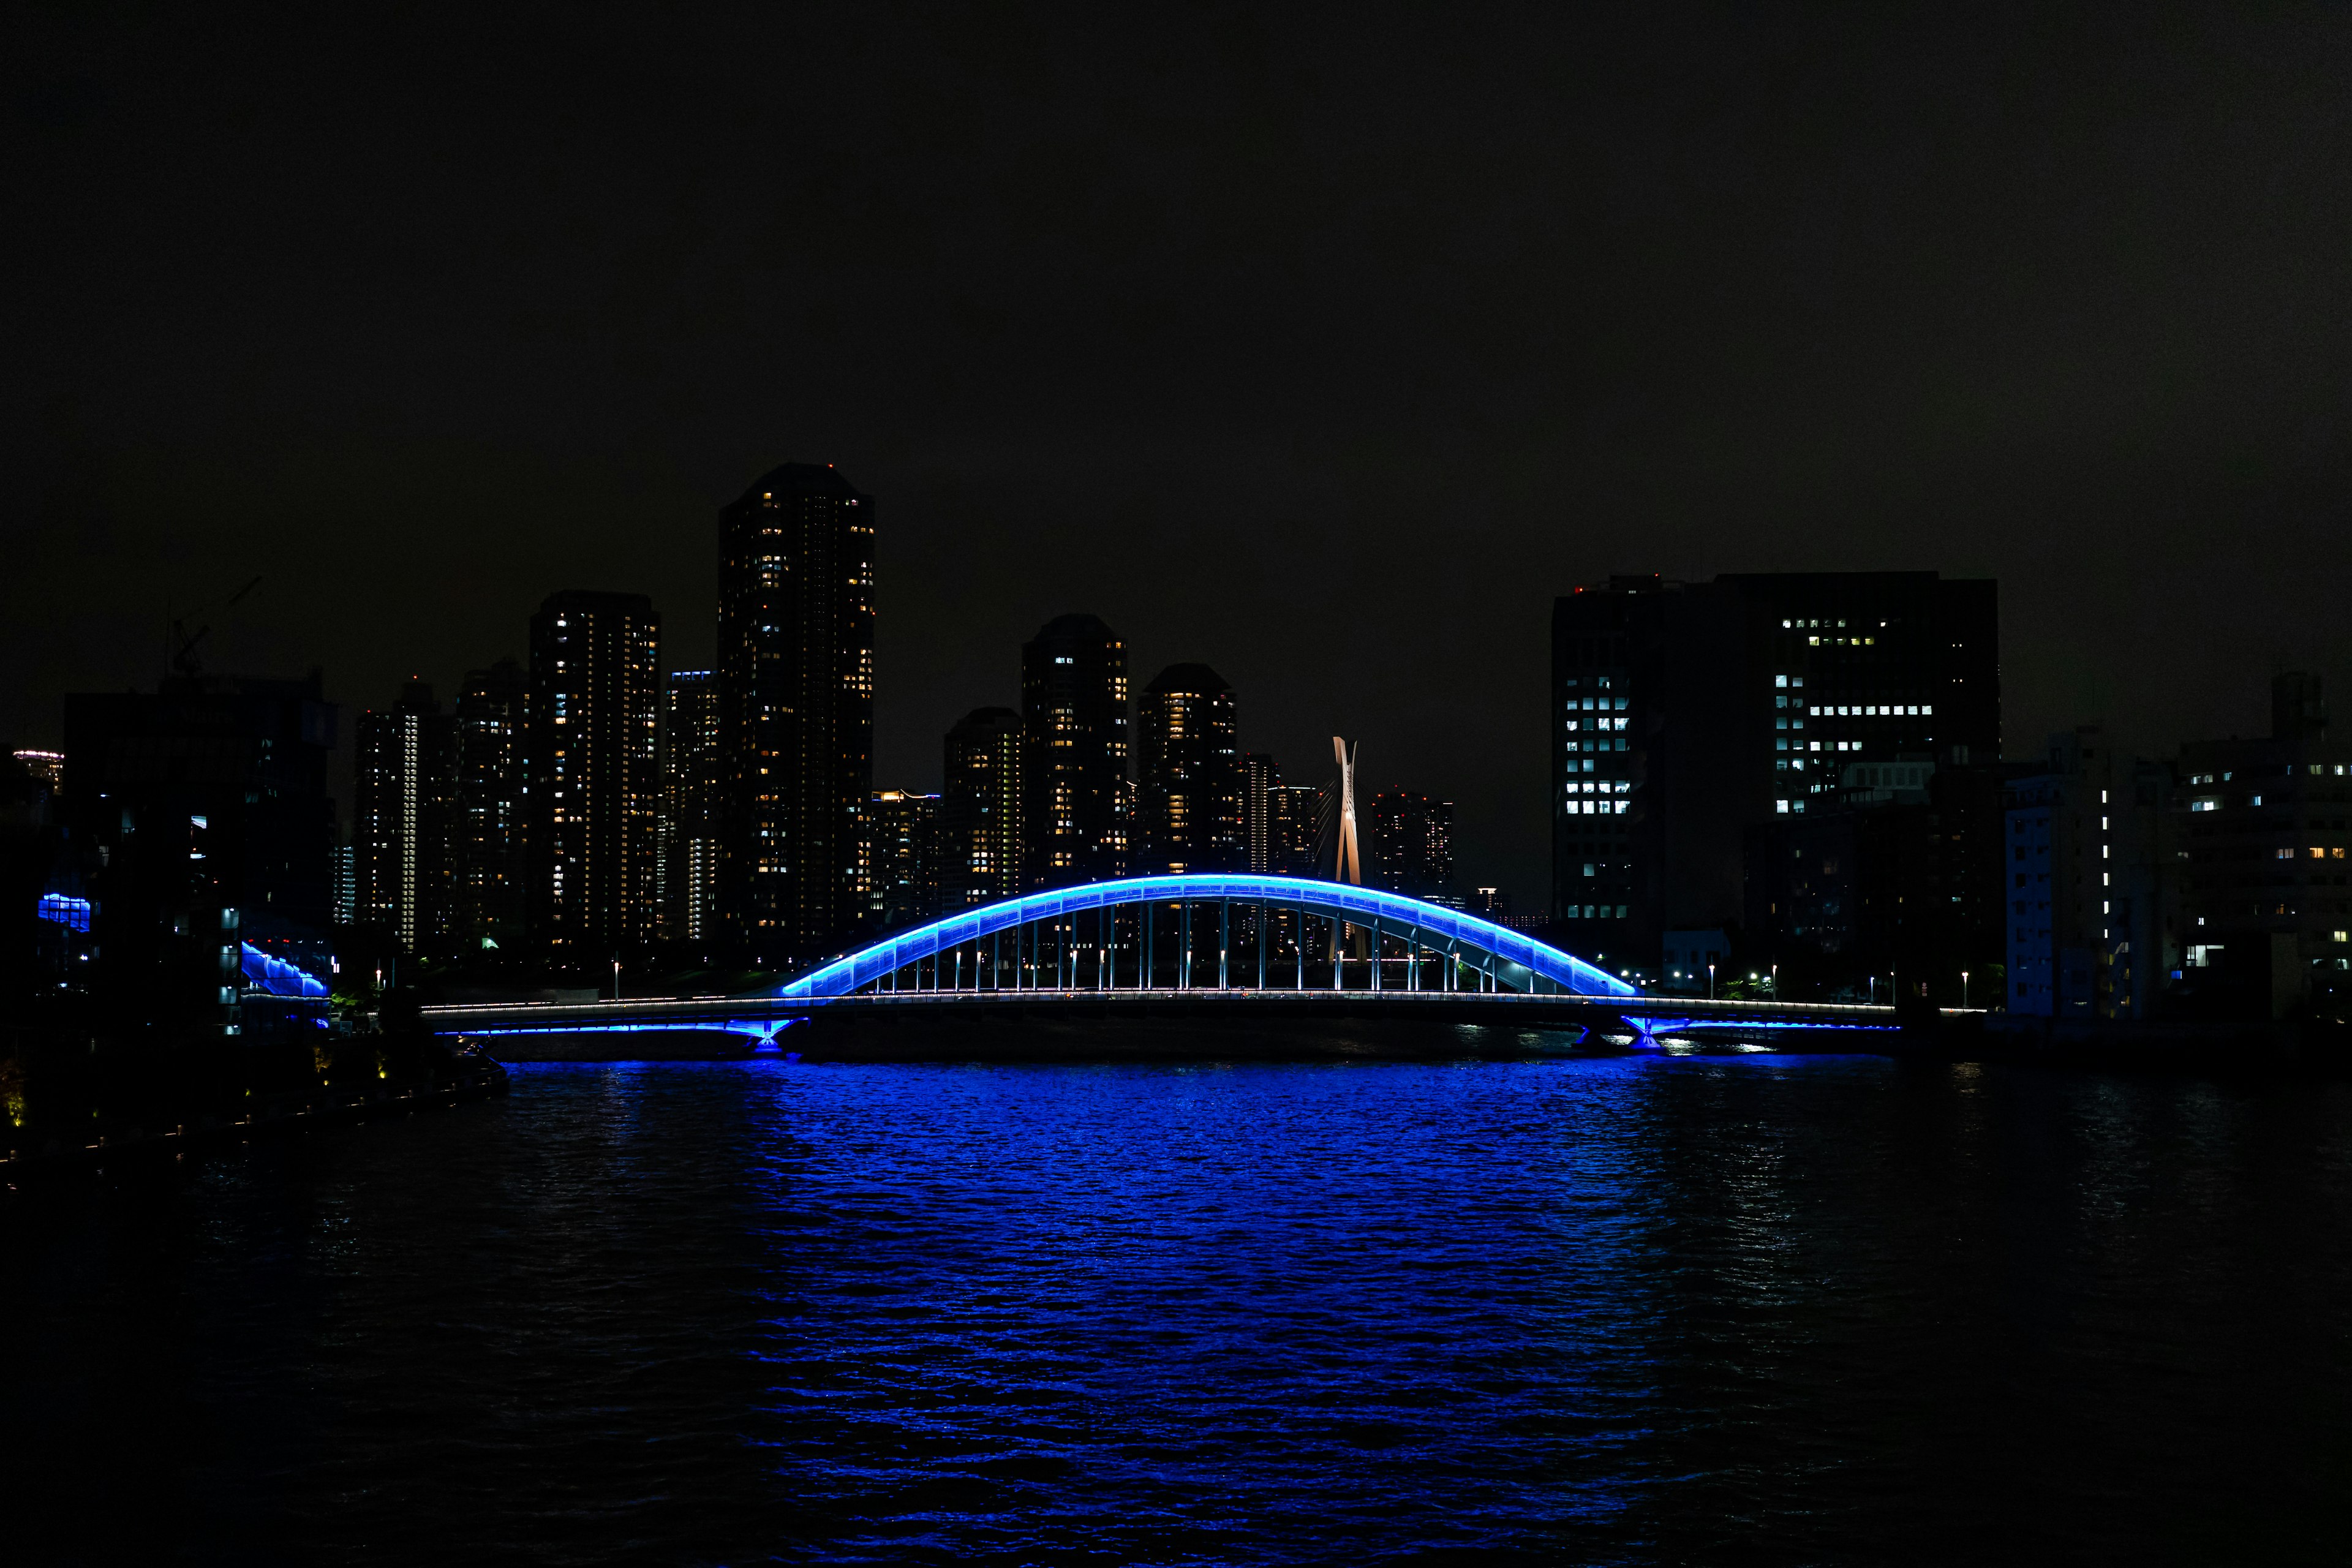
pixel 185 660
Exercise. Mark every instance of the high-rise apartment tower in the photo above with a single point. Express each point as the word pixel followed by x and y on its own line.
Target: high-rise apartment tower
pixel 796 710
pixel 1074 785
pixel 693 772
pixel 594 801
pixel 1189 779
pixel 980 811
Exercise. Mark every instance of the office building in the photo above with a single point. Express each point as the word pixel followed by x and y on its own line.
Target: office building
pixel 1413 844
pixel 980 811
pixel 594 805
pixel 1686 713
pixel 693 806
pixel 2060 863
pixel 903 858
pixel 795 710
pixel 2267 901
pixel 199 824
pixel 405 819
pixel 1077 805
pixel 492 720
pixel 1189 781
pixel 1888 883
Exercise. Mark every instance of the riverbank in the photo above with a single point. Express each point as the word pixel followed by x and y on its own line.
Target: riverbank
pixel 215 1101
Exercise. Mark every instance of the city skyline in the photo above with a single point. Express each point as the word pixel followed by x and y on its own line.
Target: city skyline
pixel 2114 392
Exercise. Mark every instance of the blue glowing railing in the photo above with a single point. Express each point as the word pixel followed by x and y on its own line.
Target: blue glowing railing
pixel 1431 925
pixel 70 912
pixel 279 977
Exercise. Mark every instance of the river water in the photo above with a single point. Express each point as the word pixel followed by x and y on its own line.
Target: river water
pixel 1612 1309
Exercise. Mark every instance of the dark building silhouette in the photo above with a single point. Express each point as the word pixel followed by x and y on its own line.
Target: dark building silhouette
pixel 980 811
pixel 1075 807
pixel 1687 713
pixel 492 720
pixel 1893 874
pixel 903 858
pixel 2266 904
pixel 796 710
pixel 405 821
pixel 594 794
pixel 694 777
pixel 1413 844
pixel 1189 781
pixel 198 823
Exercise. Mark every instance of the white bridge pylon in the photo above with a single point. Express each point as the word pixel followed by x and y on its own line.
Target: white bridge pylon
pixel 1503 959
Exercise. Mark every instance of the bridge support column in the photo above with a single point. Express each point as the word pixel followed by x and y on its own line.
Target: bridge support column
pixel 1262 921
pixel 1224 937
pixel 1185 958
pixel 1376 953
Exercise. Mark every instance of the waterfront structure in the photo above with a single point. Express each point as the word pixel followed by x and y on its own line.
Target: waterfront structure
pixel 595 792
pixel 1413 844
pixel 2266 903
pixel 1189 781
pixel 404 820
pixel 200 830
pixel 492 720
pixel 1686 713
pixel 2060 861
pixel 1892 879
pixel 1077 805
pixel 905 858
pixel 693 802
pixel 796 676
pixel 980 810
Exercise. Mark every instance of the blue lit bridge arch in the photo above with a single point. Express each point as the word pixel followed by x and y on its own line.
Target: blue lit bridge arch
pixel 1426 946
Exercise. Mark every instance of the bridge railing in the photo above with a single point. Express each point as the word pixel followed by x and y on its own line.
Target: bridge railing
pixel 1505 958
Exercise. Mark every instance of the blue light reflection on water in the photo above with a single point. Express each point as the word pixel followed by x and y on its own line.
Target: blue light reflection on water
pixel 1611 1310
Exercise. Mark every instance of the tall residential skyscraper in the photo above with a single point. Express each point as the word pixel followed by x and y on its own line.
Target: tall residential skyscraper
pixel 902 858
pixel 492 714
pixel 1075 754
pixel 1189 782
pixel 693 796
pixel 1413 844
pixel 980 816
pixel 1260 779
pixel 796 710
pixel 1684 713
pixel 594 801
pixel 404 820
pixel 1295 814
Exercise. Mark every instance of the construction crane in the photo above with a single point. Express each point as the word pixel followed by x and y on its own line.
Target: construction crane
pixel 185 660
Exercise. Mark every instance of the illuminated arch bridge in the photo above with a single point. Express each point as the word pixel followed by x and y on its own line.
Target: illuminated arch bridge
pixel 1210 940
pixel 1069 939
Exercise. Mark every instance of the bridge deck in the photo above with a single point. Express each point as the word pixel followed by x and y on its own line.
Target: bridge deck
pixel 765 1015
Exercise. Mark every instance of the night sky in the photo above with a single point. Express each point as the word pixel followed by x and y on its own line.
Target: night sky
pixel 1325 349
